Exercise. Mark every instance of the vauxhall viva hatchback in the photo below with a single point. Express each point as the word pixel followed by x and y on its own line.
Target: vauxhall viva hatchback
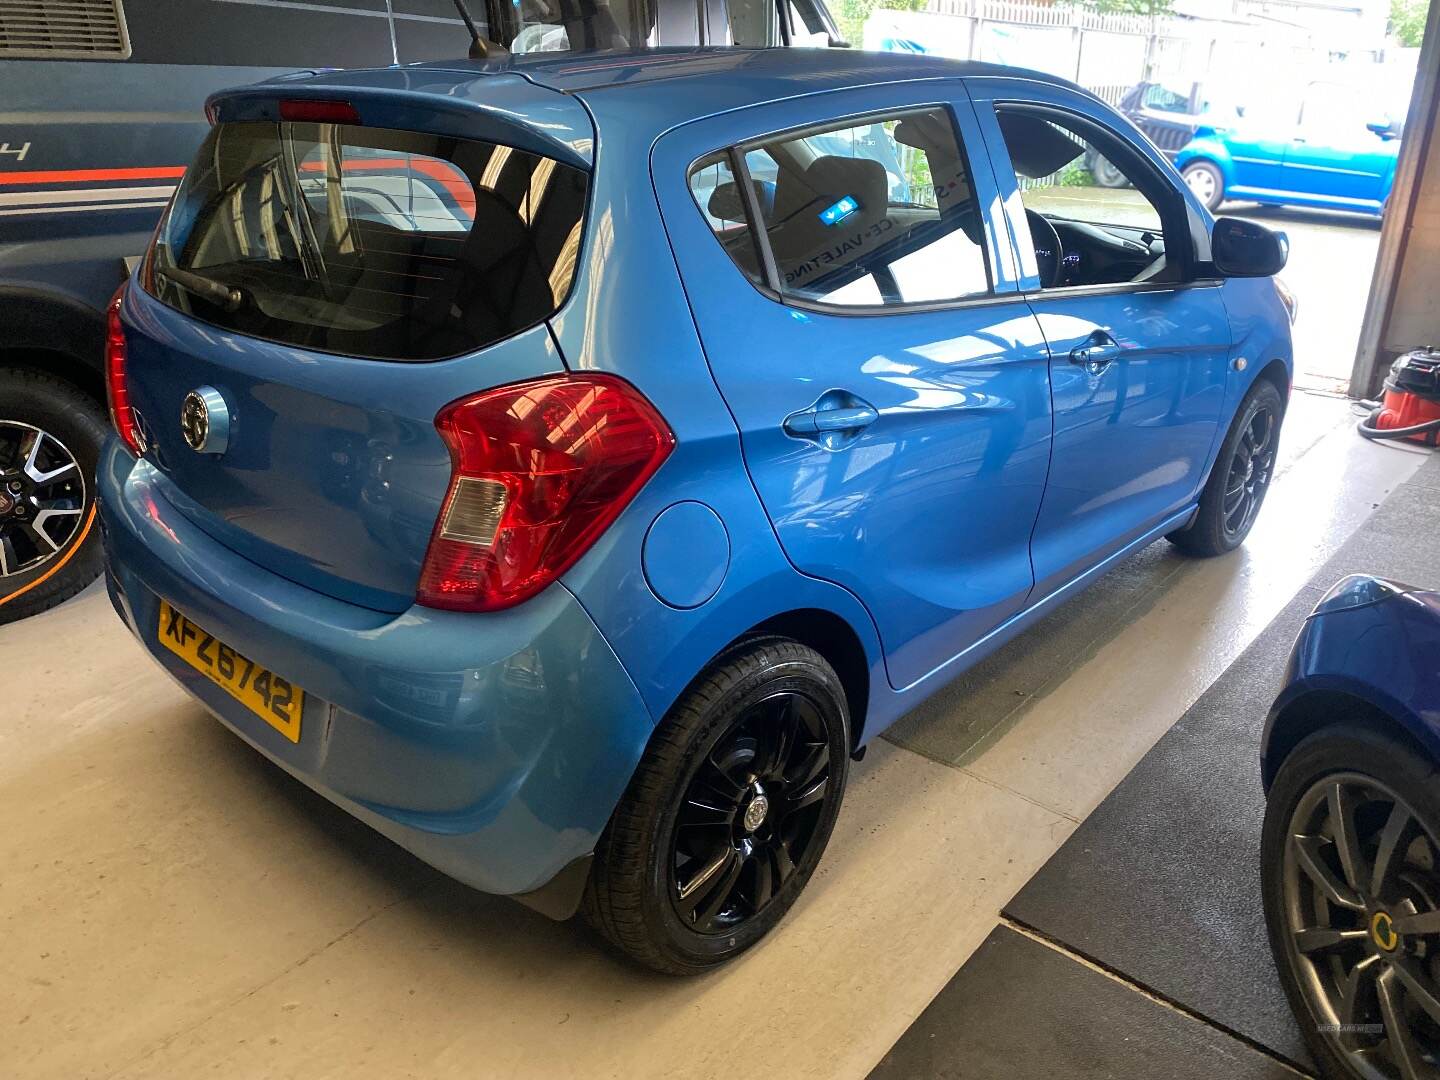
pixel 568 465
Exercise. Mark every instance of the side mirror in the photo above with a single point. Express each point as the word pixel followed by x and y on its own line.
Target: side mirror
pixel 1244 249
pixel 1386 129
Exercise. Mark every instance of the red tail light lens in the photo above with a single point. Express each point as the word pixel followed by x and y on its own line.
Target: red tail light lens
pixel 541 469
pixel 117 390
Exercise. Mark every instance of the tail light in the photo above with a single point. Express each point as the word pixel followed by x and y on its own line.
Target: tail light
pixel 117 389
pixel 541 469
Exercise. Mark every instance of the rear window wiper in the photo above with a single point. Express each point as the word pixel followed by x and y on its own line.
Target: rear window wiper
pixel 217 292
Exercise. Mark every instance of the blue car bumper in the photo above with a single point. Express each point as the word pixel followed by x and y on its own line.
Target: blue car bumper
pixel 493 746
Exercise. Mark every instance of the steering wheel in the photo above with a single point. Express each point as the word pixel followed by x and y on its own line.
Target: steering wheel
pixel 1048 250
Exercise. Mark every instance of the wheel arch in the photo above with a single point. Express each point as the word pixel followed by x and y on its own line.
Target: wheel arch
pixel 1313 709
pixel 1277 372
pixel 47 331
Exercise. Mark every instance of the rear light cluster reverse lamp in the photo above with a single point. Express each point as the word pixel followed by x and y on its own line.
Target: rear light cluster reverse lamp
pixel 540 470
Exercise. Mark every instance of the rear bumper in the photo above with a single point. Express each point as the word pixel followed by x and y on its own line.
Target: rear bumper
pixel 492 746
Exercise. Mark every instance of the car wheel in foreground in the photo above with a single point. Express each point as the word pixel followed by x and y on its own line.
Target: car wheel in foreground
pixel 50 436
pixel 1206 181
pixel 728 812
pixel 1351 882
pixel 1240 477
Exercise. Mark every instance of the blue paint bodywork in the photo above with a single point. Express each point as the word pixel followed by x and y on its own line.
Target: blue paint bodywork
pixel 496 745
pixel 1338 167
pixel 1370 641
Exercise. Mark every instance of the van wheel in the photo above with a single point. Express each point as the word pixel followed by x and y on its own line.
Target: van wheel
pixel 728 813
pixel 50 436
pixel 1348 863
pixel 1206 181
pixel 1240 477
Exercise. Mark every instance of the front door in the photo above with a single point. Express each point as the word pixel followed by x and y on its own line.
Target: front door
pixel 889 383
pixel 1139 352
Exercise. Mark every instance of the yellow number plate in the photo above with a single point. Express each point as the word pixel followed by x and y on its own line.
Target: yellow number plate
pixel 275 700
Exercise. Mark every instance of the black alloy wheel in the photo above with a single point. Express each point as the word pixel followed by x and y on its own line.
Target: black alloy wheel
pixel 1251 466
pixel 750 813
pixel 1352 891
pixel 728 812
pixel 1240 477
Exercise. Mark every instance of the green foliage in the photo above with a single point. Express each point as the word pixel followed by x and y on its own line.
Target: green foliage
pixel 1407 21
pixel 1127 7
pixel 850 15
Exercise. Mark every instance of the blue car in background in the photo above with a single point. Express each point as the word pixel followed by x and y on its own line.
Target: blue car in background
pixel 566 464
pixel 1326 152
pixel 1351 848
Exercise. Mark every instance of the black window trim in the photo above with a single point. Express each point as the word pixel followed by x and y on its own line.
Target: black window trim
pixel 770 289
pixel 1196 272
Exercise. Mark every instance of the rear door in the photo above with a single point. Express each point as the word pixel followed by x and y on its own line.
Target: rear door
pixel 888 380
pixel 1333 153
pixel 1139 351
pixel 326 289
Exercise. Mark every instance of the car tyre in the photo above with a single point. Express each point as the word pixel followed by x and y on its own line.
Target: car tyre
pixel 72 427
pixel 1206 181
pixel 1351 761
pixel 1104 172
pixel 693 869
pixel 1240 477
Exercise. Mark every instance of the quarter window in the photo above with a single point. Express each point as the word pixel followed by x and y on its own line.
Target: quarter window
pixel 880 213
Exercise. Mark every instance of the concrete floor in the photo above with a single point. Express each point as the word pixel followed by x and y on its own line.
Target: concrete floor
pixel 172 906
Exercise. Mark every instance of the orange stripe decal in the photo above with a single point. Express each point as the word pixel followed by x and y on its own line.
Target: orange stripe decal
pixel 66 176
pixel 89 521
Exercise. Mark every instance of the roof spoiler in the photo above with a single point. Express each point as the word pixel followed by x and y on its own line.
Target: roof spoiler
pixel 500 107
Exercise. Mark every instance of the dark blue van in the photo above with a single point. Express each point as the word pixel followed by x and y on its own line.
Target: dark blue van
pixel 100 111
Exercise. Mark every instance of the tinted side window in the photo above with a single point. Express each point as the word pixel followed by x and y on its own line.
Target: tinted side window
pixel 389 244
pixel 875 213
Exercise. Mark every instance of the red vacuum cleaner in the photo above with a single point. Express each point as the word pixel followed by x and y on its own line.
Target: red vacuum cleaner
pixel 1411 406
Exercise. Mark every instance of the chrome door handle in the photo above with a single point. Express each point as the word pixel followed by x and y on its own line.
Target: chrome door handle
pixel 834 420
pixel 1097 354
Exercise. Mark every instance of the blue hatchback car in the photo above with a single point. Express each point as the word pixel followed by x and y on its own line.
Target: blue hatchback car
pixel 1327 152
pixel 1351 848
pixel 568 464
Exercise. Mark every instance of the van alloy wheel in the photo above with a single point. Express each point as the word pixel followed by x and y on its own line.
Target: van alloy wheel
pixel 749 813
pixel 42 497
pixel 1360 888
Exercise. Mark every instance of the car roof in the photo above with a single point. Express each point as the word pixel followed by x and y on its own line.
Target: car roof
pixel 688 83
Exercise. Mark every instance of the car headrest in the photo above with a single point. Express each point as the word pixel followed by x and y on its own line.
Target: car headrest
pixel 800 235
pixel 830 178
pixel 727 204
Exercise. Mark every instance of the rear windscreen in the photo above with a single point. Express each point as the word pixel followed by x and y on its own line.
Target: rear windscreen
pixel 369 242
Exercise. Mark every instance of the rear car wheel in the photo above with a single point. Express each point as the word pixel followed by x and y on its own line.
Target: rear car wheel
pixel 50 436
pixel 1206 181
pixel 1351 881
pixel 1240 477
pixel 1105 174
pixel 728 813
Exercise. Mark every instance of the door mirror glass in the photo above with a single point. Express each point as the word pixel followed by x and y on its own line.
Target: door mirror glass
pixel 1244 249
